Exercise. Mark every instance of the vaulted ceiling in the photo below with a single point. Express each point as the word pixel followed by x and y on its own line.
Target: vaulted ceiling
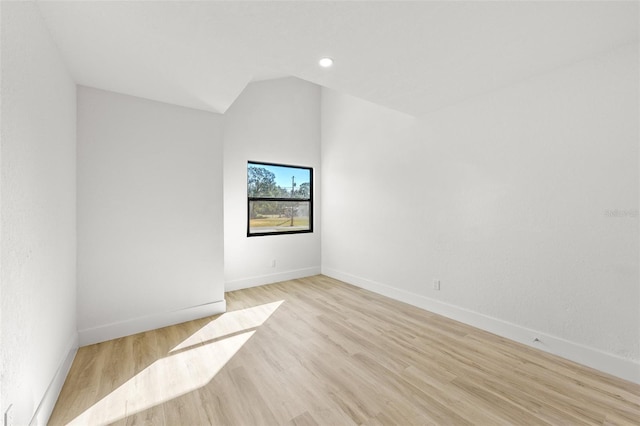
pixel 414 57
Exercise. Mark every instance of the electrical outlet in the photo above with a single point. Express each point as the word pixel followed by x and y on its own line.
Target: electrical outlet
pixel 436 284
pixel 273 263
pixel 8 416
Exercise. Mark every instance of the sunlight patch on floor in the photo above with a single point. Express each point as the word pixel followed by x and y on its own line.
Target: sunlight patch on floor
pixel 230 323
pixel 189 366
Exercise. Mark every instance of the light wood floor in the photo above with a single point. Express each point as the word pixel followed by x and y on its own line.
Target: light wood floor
pixel 316 351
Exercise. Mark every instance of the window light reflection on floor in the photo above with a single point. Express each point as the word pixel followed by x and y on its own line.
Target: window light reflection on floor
pixel 187 367
pixel 230 323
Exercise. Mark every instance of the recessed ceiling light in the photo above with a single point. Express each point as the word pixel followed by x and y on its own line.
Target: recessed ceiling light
pixel 325 62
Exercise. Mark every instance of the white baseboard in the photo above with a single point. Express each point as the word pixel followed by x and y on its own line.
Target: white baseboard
pixel 150 322
pixel 594 358
pixel 270 278
pixel 48 401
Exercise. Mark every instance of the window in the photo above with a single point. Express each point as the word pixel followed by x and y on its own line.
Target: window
pixel 279 199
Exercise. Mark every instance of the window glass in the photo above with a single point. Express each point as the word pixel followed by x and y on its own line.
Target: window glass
pixel 279 199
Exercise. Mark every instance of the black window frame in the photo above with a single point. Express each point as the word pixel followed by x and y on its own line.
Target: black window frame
pixel 280 199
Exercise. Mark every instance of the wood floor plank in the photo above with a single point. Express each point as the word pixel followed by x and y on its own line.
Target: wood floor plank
pixel 316 351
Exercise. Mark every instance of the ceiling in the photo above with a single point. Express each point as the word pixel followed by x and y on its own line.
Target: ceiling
pixel 414 57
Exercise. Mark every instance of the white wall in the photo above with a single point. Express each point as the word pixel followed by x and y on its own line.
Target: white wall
pixel 150 217
pixel 38 184
pixel 272 121
pixel 506 198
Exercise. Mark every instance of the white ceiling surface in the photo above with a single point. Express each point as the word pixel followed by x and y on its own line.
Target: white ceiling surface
pixel 410 56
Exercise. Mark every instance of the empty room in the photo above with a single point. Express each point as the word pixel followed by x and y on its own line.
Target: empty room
pixel 319 213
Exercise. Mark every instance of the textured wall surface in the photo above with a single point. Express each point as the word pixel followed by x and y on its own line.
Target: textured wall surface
pixel 38 210
pixel 274 121
pixel 150 211
pixel 523 201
